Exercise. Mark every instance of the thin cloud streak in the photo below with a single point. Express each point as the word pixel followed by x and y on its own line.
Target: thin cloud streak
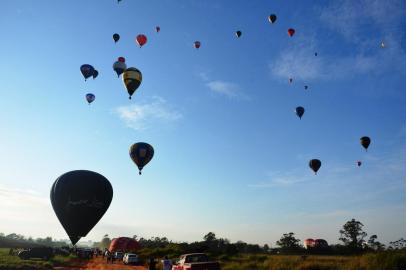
pixel 141 116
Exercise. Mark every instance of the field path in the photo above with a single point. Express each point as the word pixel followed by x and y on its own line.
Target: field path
pixel 100 264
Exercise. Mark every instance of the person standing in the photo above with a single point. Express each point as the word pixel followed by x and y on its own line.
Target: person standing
pixel 167 264
pixel 151 264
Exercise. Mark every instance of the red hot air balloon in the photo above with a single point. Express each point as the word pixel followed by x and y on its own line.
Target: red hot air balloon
pixel 309 243
pixel 141 40
pixel 121 59
pixel 291 32
pixel 124 244
pixel 157 29
pixel 197 44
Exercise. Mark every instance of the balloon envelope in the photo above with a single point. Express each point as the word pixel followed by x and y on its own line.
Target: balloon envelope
pixel 365 142
pixel 132 79
pixel 197 44
pixel 87 70
pixel 300 111
pixel 90 97
pixel 141 40
pixel 157 29
pixel 121 59
pixel 116 37
pixel 315 165
pixel 272 18
pixel 291 32
pixel 80 199
pixel 141 153
pixel 238 34
pixel 359 163
pixel 124 244
pixel 119 67
pixel 95 74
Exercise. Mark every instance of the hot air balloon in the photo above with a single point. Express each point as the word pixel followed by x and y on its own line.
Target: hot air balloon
pixel 157 29
pixel 141 40
pixel 116 37
pixel 119 67
pixel 291 32
pixel 300 111
pixel 95 74
pixel 290 80
pixel 309 243
pixel 272 18
pixel 359 163
pixel 315 54
pixel 315 165
pixel 365 142
pixel 132 79
pixel 124 244
pixel 90 98
pixel 121 59
pixel 305 87
pixel 320 243
pixel 80 199
pixel 382 44
pixel 238 34
pixel 118 1
pixel 87 71
pixel 141 153
pixel 197 44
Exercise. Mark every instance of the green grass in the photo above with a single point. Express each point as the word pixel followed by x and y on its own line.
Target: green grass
pixel 8 262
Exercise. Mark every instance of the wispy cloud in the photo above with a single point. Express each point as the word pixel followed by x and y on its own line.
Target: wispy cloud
pixel 140 116
pixel 278 179
pixel 221 87
pixel 364 24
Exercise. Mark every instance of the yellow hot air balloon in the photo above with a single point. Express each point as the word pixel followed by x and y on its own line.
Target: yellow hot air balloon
pixel 132 79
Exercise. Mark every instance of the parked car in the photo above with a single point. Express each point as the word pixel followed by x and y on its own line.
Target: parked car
pixel 195 261
pixel 118 255
pixel 130 258
pixel 36 252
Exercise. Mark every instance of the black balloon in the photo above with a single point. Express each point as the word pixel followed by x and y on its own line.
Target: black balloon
pixel 315 165
pixel 80 199
pixel 116 37
pixel 365 142
pixel 238 34
pixel 300 111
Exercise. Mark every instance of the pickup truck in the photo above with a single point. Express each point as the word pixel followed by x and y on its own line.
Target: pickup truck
pixel 195 261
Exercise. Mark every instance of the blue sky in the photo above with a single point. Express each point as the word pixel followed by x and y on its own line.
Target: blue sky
pixel 230 154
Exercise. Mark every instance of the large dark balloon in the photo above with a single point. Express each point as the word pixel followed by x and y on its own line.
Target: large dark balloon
pixel 87 71
pixel 95 74
pixel 365 142
pixel 90 98
pixel 291 32
pixel 300 111
pixel 157 29
pixel 119 67
pixel 272 18
pixel 132 79
pixel 359 163
pixel 116 37
pixel 141 153
pixel 315 165
pixel 197 44
pixel 80 199
pixel 238 34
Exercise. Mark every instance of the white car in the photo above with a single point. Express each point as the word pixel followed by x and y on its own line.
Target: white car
pixel 130 258
pixel 118 255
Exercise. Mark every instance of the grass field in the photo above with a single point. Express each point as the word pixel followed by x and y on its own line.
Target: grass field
pixel 8 262
pixel 378 261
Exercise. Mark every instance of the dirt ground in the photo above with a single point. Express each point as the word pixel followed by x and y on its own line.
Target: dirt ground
pixel 100 264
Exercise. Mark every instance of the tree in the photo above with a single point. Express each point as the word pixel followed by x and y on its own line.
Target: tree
pixel 398 244
pixel 105 242
pixel 288 241
pixel 210 237
pixel 374 244
pixel 352 234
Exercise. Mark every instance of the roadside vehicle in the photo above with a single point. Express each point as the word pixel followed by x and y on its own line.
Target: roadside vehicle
pixel 118 255
pixel 36 252
pixel 195 261
pixel 130 258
